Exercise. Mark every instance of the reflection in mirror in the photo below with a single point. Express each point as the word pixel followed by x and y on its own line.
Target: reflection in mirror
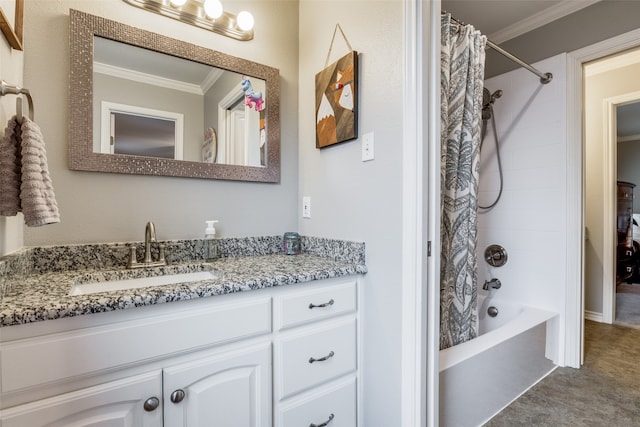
pixel 207 97
pixel 162 106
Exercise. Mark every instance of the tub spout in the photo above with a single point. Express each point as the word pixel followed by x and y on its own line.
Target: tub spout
pixel 491 284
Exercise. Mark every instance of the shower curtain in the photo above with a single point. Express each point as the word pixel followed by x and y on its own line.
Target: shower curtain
pixel 461 84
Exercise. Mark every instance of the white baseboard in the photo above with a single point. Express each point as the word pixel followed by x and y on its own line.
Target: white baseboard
pixel 592 315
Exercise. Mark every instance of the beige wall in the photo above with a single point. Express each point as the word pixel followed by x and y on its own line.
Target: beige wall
pixel 99 207
pixel 11 63
pixel 598 88
pixel 355 200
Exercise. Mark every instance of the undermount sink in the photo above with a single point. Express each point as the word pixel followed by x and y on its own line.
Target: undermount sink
pixel 114 280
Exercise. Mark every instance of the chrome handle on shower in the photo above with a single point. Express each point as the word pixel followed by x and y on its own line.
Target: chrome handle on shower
pixel 495 255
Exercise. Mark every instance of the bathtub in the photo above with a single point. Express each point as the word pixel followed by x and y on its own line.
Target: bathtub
pixel 480 377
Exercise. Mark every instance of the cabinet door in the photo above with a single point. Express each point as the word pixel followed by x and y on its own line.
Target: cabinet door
pixel 232 388
pixel 123 403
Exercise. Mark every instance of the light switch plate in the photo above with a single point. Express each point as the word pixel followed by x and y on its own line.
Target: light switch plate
pixel 306 207
pixel 367 147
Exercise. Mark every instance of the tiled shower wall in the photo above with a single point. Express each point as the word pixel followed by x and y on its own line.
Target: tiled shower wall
pixel 530 218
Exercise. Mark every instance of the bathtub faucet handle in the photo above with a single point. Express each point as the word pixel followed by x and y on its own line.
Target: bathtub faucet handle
pixel 491 284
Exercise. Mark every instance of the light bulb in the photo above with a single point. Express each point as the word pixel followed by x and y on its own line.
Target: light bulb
pixel 245 20
pixel 213 8
pixel 178 3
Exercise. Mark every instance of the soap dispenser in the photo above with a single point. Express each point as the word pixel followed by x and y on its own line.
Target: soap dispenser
pixel 211 243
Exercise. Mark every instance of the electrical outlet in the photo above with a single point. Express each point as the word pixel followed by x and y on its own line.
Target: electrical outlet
pixel 367 147
pixel 306 207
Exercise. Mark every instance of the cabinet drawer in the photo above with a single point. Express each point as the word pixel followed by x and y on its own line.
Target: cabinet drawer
pixel 316 355
pixel 336 403
pixel 315 304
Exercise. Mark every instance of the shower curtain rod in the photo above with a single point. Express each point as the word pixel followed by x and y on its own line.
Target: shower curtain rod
pixel 544 77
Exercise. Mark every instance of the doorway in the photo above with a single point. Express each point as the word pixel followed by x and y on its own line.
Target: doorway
pixel 609 84
pixel 626 298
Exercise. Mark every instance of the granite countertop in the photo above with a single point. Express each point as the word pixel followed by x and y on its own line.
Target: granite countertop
pixel 34 290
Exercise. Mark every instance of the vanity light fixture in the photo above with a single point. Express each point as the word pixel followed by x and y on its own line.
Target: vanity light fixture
pixel 207 14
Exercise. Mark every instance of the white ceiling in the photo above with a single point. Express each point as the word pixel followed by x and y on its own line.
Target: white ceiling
pixel 502 20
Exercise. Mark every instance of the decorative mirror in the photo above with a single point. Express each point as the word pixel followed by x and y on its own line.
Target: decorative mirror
pixel 144 103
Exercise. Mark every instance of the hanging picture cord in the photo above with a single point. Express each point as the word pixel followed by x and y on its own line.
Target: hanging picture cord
pixel 338 27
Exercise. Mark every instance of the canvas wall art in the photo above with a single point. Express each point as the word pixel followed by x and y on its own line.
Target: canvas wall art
pixel 337 102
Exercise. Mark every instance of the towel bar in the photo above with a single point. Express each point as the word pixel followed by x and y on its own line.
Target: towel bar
pixel 9 89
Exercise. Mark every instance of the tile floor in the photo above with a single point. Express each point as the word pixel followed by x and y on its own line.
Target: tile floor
pixel 604 392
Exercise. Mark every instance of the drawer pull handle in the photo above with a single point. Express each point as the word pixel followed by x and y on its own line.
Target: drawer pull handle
pixel 322 359
pixel 177 396
pixel 326 304
pixel 324 424
pixel 151 404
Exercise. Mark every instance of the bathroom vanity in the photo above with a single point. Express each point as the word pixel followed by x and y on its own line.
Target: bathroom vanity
pixel 277 345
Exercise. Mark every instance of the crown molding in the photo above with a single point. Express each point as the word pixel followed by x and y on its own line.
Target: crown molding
pixel 539 19
pixel 211 79
pixel 136 76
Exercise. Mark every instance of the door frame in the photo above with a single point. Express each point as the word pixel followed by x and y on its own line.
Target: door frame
pixel 610 172
pixel 420 214
pixel 574 310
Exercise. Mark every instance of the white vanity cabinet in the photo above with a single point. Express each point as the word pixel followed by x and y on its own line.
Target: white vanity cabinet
pixel 231 388
pixel 286 355
pixel 316 357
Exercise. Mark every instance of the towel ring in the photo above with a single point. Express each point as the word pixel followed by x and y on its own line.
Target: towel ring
pixel 7 89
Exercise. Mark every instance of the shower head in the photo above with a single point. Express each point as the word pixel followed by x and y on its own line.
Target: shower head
pixel 488 99
pixel 486 103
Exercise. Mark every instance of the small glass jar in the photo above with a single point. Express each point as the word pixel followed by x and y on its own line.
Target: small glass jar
pixel 291 243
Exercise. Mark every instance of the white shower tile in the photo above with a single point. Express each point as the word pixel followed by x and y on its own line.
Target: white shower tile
pixel 536 178
pixel 530 219
pixel 540 210
pixel 529 157
pixel 489 181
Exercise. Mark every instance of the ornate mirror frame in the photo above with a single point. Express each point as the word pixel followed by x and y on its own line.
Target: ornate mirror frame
pixel 83 28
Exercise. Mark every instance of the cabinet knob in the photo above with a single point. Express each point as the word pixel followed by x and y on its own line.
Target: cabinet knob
pixel 177 396
pixel 151 404
pixel 322 359
pixel 324 424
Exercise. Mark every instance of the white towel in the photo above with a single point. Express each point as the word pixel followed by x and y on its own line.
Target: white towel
pixel 25 183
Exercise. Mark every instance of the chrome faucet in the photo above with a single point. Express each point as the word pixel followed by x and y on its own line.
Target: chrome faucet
pixel 147 261
pixel 149 236
pixel 491 284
